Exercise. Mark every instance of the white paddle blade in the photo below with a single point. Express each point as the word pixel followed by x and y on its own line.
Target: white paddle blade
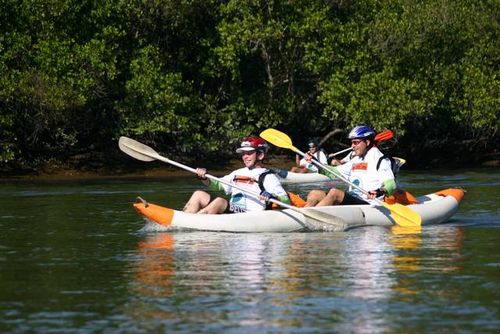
pixel 321 221
pixel 136 150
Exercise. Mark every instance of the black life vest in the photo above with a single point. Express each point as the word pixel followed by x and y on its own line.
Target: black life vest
pixel 261 185
pixel 394 164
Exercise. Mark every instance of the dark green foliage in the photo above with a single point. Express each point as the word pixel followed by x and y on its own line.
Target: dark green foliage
pixel 195 76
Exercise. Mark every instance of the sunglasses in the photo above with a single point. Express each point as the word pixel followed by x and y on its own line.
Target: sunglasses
pixel 356 142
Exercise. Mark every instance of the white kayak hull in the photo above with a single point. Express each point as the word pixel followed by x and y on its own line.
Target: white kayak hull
pixel 433 208
pixel 292 177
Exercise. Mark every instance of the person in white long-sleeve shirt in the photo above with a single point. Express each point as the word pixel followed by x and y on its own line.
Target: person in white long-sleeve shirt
pixel 369 169
pixel 305 165
pixel 253 177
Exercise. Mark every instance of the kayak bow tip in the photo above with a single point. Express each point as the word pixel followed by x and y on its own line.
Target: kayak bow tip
pixel 159 214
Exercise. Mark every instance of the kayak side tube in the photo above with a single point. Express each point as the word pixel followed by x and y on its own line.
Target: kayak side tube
pixel 434 208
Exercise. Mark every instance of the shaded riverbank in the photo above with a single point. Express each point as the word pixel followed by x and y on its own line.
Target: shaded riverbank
pixel 125 167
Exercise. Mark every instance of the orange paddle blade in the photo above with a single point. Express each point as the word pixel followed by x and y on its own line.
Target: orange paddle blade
pixel 384 136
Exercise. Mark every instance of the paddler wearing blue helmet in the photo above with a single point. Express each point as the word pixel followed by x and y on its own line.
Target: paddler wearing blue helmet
pixel 361 170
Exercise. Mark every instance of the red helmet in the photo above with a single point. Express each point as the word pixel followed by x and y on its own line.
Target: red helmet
pixel 253 143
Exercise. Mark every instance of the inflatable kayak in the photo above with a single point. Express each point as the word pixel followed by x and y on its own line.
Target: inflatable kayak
pixel 434 208
pixel 287 177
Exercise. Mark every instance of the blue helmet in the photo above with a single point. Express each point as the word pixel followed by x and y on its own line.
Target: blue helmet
pixel 362 132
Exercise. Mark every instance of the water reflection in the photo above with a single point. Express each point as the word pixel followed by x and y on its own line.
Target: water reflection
pixel 260 279
pixel 366 263
pixel 447 241
pixel 155 267
pixel 401 240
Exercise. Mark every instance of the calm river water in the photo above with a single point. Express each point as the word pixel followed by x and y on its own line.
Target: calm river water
pixel 75 259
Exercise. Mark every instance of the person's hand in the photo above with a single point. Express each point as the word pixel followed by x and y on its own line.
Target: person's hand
pixel 308 157
pixel 265 196
pixel 201 173
pixel 372 194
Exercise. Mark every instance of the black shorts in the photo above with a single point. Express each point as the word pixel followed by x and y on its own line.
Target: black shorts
pixel 351 200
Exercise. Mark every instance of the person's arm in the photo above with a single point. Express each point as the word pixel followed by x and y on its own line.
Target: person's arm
pixel 388 188
pixel 266 196
pixel 276 190
pixel 283 198
pixel 211 184
pixel 389 184
pixel 201 173
pixel 385 171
